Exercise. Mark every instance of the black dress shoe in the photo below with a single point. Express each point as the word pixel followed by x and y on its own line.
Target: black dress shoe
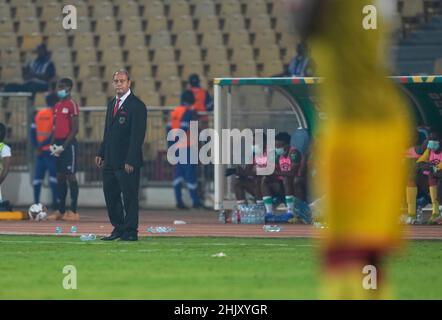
pixel 111 237
pixel 129 237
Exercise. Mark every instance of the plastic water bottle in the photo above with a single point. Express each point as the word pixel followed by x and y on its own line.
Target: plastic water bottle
pixel 271 228
pixel 419 215
pixel 88 237
pixel 58 230
pixel 222 215
pixel 160 229
pixel 74 229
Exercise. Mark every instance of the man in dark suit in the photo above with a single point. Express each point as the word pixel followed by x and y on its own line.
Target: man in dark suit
pixel 121 157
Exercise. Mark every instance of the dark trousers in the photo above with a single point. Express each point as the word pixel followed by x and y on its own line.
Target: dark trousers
pixel 122 210
pixel 28 86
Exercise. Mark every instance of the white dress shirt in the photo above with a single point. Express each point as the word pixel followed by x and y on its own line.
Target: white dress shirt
pixel 123 98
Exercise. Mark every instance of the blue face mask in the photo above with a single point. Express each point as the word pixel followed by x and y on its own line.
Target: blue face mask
pixel 279 151
pixel 433 145
pixel 62 93
pixel 256 149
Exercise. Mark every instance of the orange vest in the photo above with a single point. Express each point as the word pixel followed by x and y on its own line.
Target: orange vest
pixel 175 121
pixel 44 122
pixel 200 102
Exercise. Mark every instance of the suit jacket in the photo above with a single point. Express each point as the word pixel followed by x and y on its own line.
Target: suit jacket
pixel 124 134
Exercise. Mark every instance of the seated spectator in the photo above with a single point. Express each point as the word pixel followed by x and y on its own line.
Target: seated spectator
pixel 37 74
pixel 203 100
pixel 301 65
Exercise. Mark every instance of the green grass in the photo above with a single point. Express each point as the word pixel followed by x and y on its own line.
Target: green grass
pixel 183 268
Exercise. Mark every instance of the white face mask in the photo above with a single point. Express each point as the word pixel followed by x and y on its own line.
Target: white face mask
pixel 279 151
pixel 433 145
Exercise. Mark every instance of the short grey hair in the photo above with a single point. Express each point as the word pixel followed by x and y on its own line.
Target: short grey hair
pixel 121 71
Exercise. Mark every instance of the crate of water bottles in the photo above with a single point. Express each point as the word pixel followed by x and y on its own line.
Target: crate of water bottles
pixel 248 214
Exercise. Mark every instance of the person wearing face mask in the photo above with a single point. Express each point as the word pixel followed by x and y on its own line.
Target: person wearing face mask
pixel 288 160
pixel 430 163
pixel 64 148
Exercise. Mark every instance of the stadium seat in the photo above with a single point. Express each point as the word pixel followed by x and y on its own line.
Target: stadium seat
pixel 164 54
pixel 192 67
pixel 204 8
pixel 230 7
pixel 40 100
pixel 51 10
pixel 260 23
pixel 269 53
pixel 178 8
pixel 185 39
pixel 137 54
pixel 61 55
pixel 88 70
pixel 102 9
pixel 219 69
pixel 6 25
pixel 238 38
pixel 247 68
pixel 96 100
pixel 105 25
pixel 233 23
pixel 111 68
pixel 65 70
pixel 91 86
pixel 157 24
pixel 170 85
pixel 83 25
pixel 264 38
pixel 153 9
pixel 11 72
pixel 109 39
pixel 212 38
pixel 81 6
pixel 283 24
pixel 130 25
pixel 242 53
pixel 128 9
pixel 141 69
pixel 256 8
pixel 150 99
pixel 56 40
pixel 173 99
pixel 143 83
pixel 31 41
pixel 272 68
pixel 53 25
pixel 412 8
pixel 9 54
pixel 190 54
pixel 289 40
pixel 217 53
pixel 86 55
pixel 111 55
pixel 5 9
pixel 8 39
pixel 288 55
pixel 166 70
pixel 135 39
pixel 25 10
pixel 160 39
pixel 208 24
pixel 182 23
pixel 83 40
pixel 28 26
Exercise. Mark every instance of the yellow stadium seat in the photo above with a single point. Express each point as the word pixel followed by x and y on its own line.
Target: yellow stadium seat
pixel 164 54
pixel 192 67
pixel 283 24
pixel 134 40
pixel 83 26
pixel 219 69
pixel 170 85
pixel 6 25
pixel 166 70
pixel 150 98
pixel 217 53
pixel 131 25
pixel 153 9
pixel 89 70
pixel 245 69
pixel 109 39
pixel 157 24
pixel 111 55
pixel 185 39
pixel 61 55
pixel 242 53
pixel 412 8
pixel 143 83
pixel 207 24
pixel 9 54
pixel 189 54
pixel 173 99
pixel 40 100
pixel 11 72
pixel 256 7
pixel 204 8
pixel 25 10
pixel 82 40
pixel 128 9
pixel 105 25
pixel 65 70
pixel 233 23
pixel 212 38
pixel 102 9
pixel 5 9
pixel 260 23
pixel 264 38
pixel 8 39
pixel 50 10
pixel 181 23
pixel 137 54
pixel 91 86
pixel 238 38
pixel 272 68
pixel 160 39
pixel 56 40
pixel 31 41
pixel 53 25
pixel 28 26
pixel 230 7
pixel 96 100
pixel 290 52
pixel 289 40
pixel 269 53
pixel 141 69
pixel 178 8
pixel 86 55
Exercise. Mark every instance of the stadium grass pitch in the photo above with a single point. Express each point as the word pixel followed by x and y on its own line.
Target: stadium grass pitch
pixel 184 268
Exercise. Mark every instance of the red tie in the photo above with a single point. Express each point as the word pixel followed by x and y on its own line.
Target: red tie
pixel 117 105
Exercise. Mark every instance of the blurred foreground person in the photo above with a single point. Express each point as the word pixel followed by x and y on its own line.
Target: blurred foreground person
pixel 361 152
